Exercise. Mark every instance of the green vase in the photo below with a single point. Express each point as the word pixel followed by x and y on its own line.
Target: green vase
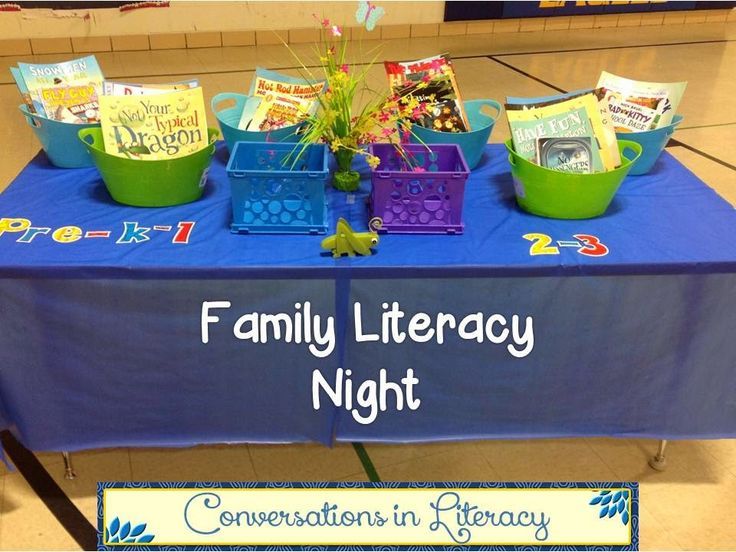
pixel 345 178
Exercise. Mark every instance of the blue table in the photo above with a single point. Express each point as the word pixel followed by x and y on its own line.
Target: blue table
pixel 102 341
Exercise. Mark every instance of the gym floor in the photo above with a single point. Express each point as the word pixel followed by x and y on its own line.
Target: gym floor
pixel 688 506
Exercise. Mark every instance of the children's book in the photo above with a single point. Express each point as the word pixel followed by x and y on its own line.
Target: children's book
pixel 161 126
pixel 273 84
pixel 607 137
pixel 535 132
pixel 22 88
pixel 638 106
pixel 110 88
pixel 430 80
pixel 71 104
pixel 39 76
pixel 278 111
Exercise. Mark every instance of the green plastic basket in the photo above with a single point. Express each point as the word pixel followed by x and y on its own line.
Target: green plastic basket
pixel 560 195
pixel 144 183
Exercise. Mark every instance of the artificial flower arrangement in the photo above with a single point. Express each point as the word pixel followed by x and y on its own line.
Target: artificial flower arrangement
pixel 350 115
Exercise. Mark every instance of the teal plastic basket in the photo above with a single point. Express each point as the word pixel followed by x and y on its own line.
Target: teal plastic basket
pixel 278 189
pixel 652 144
pixel 228 107
pixel 472 143
pixel 59 140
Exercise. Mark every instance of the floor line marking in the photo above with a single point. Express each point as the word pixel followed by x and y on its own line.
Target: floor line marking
pixel 370 469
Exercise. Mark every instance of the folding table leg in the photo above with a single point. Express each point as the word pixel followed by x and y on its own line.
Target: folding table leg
pixel 659 461
pixel 68 467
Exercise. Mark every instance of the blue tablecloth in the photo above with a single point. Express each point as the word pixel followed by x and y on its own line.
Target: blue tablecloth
pixel 102 336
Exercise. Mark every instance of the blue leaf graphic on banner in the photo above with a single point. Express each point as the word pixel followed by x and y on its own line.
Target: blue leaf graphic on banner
pixel 596 500
pixel 138 529
pixel 606 500
pixel 625 518
pixel 617 496
pixel 113 540
pixel 621 506
pixel 604 493
pixel 145 538
pixel 626 494
pixel 114 527
pixel 613 512
pixel 604 511
pixel 125 531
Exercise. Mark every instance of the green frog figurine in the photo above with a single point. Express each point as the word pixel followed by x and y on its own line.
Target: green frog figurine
pixel 346 240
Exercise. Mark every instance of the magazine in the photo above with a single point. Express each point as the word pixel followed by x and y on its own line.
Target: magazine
pixel 110 88
pixel 37 77
pixel 575 120
pixel 273 84
pixel 638 106
pixel 160 126
pixel 278 111
pixel 430 80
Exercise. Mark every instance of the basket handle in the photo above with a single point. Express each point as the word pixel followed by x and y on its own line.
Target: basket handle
pixel 88 136
pixel 630 152
pixel 673 126
pixel 222 97
pixel 493 104
pixel 511 160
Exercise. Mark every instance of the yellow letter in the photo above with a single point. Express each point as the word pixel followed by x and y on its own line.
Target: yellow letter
pixel 13 225
pixel 67 234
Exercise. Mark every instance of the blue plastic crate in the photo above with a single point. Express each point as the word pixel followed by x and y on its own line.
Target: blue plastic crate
pixel 277 190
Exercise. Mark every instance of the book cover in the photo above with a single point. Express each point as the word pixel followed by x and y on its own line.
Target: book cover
pixel 272 84
pixel 111 88
pixel 71 104
pixel 277 111
pixel 162 126
pixel 602 122
pixel 432 72
pixel 38 76
pixel 22 88
pixel 638 106
pixel 529 128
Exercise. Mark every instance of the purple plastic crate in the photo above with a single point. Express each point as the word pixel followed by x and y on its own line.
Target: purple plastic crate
pixel 429 201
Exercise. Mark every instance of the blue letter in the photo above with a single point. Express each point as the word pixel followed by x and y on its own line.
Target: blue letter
pixel 206 505
pixel 132 233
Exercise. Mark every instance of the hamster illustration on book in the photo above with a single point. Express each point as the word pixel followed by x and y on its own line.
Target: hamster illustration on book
pixel 272 84
pixel 161 126
pixel 38 77
pixel 638 106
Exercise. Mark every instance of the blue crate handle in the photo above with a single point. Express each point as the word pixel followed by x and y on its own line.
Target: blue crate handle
pixel 218 99
pixel 32 119
pixel 493 104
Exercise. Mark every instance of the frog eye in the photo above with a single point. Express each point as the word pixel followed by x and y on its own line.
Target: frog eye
pixel 374 241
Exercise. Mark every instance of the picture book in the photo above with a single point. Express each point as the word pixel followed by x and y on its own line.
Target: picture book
pixel 277 111
pixel 432 81
pixel 272 84
pixel 37 76
pixel 22 88
pixel 110 88
pixel 578 118
pixel 71 104
pixel 638 106
pixel 161 126
pixel 603 123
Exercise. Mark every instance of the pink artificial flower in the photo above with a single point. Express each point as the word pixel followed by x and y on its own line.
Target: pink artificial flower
pixel 420 169
pixel 331 51
pixel 344 68
pixel 405 136
pixel 336 30
pixel 384 117
pixel 417 113
pixel 388 132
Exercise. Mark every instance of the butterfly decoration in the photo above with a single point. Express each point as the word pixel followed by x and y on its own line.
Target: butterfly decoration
pixel 368 14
